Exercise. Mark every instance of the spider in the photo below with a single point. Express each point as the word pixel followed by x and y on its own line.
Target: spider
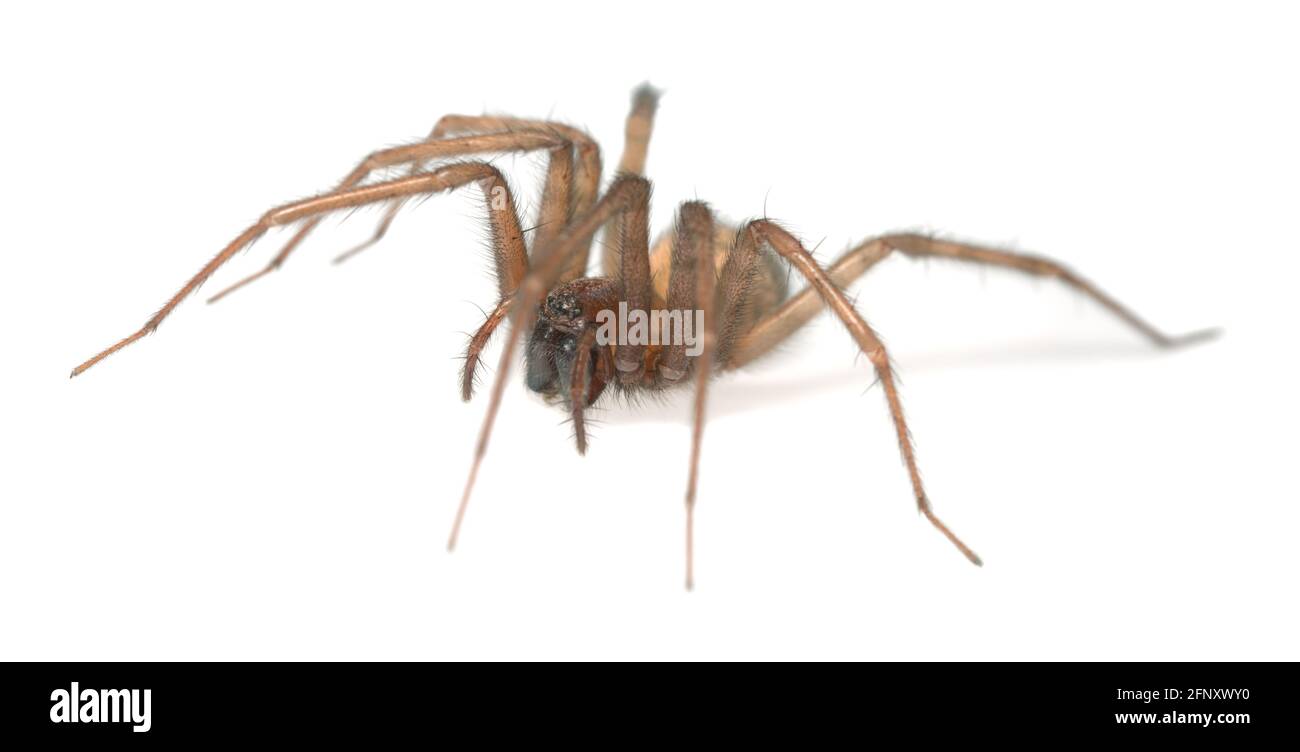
pixel 732 276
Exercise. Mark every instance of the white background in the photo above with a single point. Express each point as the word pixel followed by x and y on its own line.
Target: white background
pixel 274 477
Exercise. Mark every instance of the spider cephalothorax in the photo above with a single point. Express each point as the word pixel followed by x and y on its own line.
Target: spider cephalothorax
pixel 592 315
pixel 723 286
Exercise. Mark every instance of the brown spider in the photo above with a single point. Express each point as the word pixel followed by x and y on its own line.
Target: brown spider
pixel 731 276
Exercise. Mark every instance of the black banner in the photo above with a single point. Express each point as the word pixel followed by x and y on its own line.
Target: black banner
pixel 143 703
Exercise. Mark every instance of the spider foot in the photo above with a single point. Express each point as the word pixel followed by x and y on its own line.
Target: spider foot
pixel 1192 338
pixel 966 550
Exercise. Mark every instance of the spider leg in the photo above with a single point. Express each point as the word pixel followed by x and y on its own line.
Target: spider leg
pixel 557 192
pixel 633 228
pixel 554 217
pixel 693 249
pixel 801 308
pixel 640 123
pixel 412 154
pixel 583 190
pixel 477 343
pixel 765 232
pixel 511 257
pixel 626 193
pixel 579 387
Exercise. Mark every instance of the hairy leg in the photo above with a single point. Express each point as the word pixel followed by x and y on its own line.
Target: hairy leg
pixel 414 154
pixel 584 189
pixel 511 257
pixel 474 352
pixel 556 196
pixel 554 216
pixel 640 123
pixel 801 308
pixel 693 247
pixel 579 388
pixel 765 232
pixel 633 227
pixel 627 193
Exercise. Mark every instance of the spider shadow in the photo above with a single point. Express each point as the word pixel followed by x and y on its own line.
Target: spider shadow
pixel 728 395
